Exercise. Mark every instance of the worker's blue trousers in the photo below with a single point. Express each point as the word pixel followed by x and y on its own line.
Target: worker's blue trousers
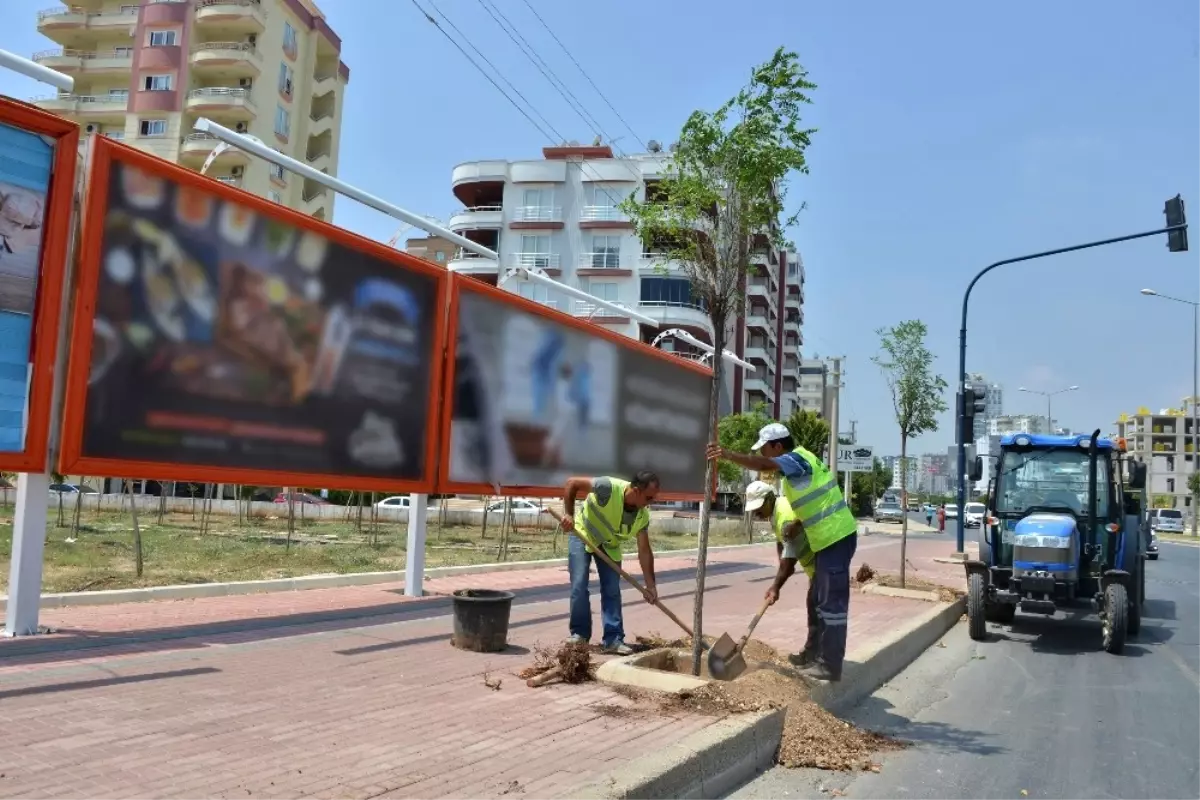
pixel 832 584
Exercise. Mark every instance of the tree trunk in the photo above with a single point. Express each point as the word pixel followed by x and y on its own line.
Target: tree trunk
pixel 904 509
pixel 291 504
pixel 487 500
pixel 78 511
pixel 710 473
pixel 137 532
pixel 60 522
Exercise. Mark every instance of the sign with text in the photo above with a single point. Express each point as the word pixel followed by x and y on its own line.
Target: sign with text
pixel 539 396
pixel 235 341
pixel 38 152
pixel 855 457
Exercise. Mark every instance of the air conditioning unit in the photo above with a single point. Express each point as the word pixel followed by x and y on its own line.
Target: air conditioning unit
pixel 236 171
pixel 245 82
pixel 240 127
pixel 252 38
pixel 90 128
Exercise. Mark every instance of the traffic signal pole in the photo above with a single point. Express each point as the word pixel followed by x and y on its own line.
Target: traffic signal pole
pixel 962 340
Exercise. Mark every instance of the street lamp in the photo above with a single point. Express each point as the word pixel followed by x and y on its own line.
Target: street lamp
pixel 1195 391
pixel 1048 395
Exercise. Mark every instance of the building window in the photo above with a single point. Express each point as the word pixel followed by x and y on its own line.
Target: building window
pixel 535 251
pixel 162 38
pixel 532 291
pixel 118 94
pixel 440 256
pixel 286 74
pixel 604 200
pixel 670 291
pixel 153 127
pixel 603 291
pixel 158 83
pixel 537 205
pixel 290 44
pixel 283 121
pixel 276 173
pixel 606 252
pixel 275 197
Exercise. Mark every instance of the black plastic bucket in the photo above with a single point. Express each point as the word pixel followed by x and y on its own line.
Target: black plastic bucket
pixel 481 620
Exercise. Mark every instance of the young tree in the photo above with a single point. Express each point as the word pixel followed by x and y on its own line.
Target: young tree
pixel 916 395
pixel 809 430
pixel 725 186
pixel 738 432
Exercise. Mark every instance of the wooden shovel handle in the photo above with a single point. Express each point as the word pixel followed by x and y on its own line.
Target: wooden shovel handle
pixel 754 623
pixel 603 556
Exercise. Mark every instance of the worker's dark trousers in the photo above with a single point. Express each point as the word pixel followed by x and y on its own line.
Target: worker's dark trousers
pixel 832 587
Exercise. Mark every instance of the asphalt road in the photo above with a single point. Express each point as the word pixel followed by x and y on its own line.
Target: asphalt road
pixel 1040 710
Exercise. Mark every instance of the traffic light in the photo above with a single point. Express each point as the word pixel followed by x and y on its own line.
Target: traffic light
pixel 1176 240
pixel 974 403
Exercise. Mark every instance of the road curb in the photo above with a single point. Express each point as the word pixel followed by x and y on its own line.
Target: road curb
pixel 192 591
pixel 725 755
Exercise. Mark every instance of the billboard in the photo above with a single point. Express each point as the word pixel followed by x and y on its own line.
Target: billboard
pixel 38 153
pixel 537 396
pixel 855 457
pixel 222 337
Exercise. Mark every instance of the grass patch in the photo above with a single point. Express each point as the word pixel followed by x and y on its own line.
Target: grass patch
pixel 1183 538
pixel 176 550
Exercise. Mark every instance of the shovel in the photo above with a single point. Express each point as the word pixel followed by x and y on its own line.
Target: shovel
pixel 725 659
pixel 632 581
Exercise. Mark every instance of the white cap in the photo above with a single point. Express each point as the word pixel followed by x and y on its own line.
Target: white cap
pixel 757 494
pixel 770 433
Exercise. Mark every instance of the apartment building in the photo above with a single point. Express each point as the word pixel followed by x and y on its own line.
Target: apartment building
pixel 431 248
pixel 1018 423
pixel 1165 442
pixel 146 70
pixel 561 214
pixel 812 391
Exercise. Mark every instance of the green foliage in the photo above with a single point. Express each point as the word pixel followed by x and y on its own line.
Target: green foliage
pixel 1194 484
pixel 809 430
pixel 739 432
pixel 908 366
pixel 869 487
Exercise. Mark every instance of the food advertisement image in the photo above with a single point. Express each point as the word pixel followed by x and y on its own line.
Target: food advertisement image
pixel 25 165
pixel 538 400
pixel 224 337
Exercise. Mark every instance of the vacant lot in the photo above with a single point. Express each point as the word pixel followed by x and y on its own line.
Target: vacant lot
pixel 188 548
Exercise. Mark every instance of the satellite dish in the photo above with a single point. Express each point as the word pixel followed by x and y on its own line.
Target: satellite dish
pixel 596 141
pixel 674 146
pixel 654 146
pixel 573 143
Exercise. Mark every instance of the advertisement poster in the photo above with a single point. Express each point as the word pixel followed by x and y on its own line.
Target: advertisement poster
pixel 26 160
pixel 228 338
pixel 537 401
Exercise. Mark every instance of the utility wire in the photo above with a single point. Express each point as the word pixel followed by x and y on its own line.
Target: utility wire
pixel 547 72
pixel 587 77
pixel 484 73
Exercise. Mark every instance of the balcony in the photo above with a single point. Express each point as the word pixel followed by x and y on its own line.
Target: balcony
pixel 231 16
pixel 597 313
pixel 792 300
pixel 494 172
pixel 759 350
pixel 101 107
pixel 757 385
pixel 489 216
pixel 199 146
pixel 679 315
pixel 471 263
pixel 761 288
pixel 324 83
pixel 320 122
pixel 603 217
pixel 228 180
pixel 61 20
pixel 224 101
pixel 74 62
pixel 226 60
pixel 760 258
pixel 757 318
pixel 538 214
pixel 70 25
pixel 547 261
pixel 658 264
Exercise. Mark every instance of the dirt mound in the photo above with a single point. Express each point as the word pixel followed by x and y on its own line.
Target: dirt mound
pixel 945 593
pixel 865 573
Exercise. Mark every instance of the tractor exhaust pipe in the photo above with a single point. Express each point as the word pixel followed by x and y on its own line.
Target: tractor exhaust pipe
pixel 1093 457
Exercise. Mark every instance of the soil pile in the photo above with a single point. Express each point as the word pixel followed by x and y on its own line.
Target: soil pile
pixel 865 573
pixel 945 594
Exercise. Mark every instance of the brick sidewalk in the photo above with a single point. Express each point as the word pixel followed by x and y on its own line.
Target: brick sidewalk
pixel 355 692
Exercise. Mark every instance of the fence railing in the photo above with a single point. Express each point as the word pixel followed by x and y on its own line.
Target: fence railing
pixel 535 260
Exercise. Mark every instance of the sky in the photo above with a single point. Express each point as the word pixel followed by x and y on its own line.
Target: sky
pixel 950 135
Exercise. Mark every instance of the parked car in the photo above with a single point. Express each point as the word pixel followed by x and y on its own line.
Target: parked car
pixel 396 501
pixel 888 512
pixel 914 506
pixel 520 508
pixel 71 488
pixel 973 514
pixel 1166 520
pixel 301 497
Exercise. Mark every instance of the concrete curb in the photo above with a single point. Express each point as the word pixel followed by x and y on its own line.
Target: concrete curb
pixel 725 755
pixel 710 763
pixel 895 591
pixel 195 590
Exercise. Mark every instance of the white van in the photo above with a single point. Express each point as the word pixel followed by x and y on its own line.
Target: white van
pixel 1166 520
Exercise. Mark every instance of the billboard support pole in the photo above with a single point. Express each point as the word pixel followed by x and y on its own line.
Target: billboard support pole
pixel 32 69
pixel 257 148
pixel 414 558
pixel 683 335
pixel 28 549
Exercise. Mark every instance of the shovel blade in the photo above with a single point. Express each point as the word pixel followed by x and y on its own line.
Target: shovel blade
pixel 725 661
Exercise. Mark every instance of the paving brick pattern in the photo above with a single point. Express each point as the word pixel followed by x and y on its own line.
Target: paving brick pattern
pixel 356 692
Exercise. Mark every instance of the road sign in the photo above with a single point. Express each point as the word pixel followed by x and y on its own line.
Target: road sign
pixel 855 457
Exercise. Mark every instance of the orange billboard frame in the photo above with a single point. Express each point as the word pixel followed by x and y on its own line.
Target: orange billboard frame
pixel 462 283
pixel 73 461
pixel 48 292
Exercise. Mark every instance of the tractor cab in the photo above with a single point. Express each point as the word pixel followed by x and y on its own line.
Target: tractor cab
pixel 1061 526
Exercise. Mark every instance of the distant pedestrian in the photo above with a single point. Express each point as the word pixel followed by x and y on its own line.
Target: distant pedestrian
pixel 929 514
pixel 942 518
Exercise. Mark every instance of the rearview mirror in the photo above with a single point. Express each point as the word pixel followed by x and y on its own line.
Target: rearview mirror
pixel 1137 475
pixel 976 472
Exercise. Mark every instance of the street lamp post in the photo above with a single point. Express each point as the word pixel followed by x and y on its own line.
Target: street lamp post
pixel 1195 391
pixel 1048 396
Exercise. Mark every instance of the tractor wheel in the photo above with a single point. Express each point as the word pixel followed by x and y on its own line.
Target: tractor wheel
pixel 976 607
pixel 1116 618
pixel 1002 613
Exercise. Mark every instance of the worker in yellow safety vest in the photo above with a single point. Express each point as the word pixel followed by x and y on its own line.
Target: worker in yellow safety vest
pixel 613 512
pixel 813 494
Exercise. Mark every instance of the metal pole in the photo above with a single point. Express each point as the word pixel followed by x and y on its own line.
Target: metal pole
pixel 259 149
pixel 1049 418
pixel 833 413
pixel 32 69
pixel 1195 417
pixel 962 350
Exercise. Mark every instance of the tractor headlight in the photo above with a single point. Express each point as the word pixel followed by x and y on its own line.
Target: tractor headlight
pixel 1085 443
pixel 1022 441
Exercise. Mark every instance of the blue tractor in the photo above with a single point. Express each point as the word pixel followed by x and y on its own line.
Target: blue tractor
pixel 1064 523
